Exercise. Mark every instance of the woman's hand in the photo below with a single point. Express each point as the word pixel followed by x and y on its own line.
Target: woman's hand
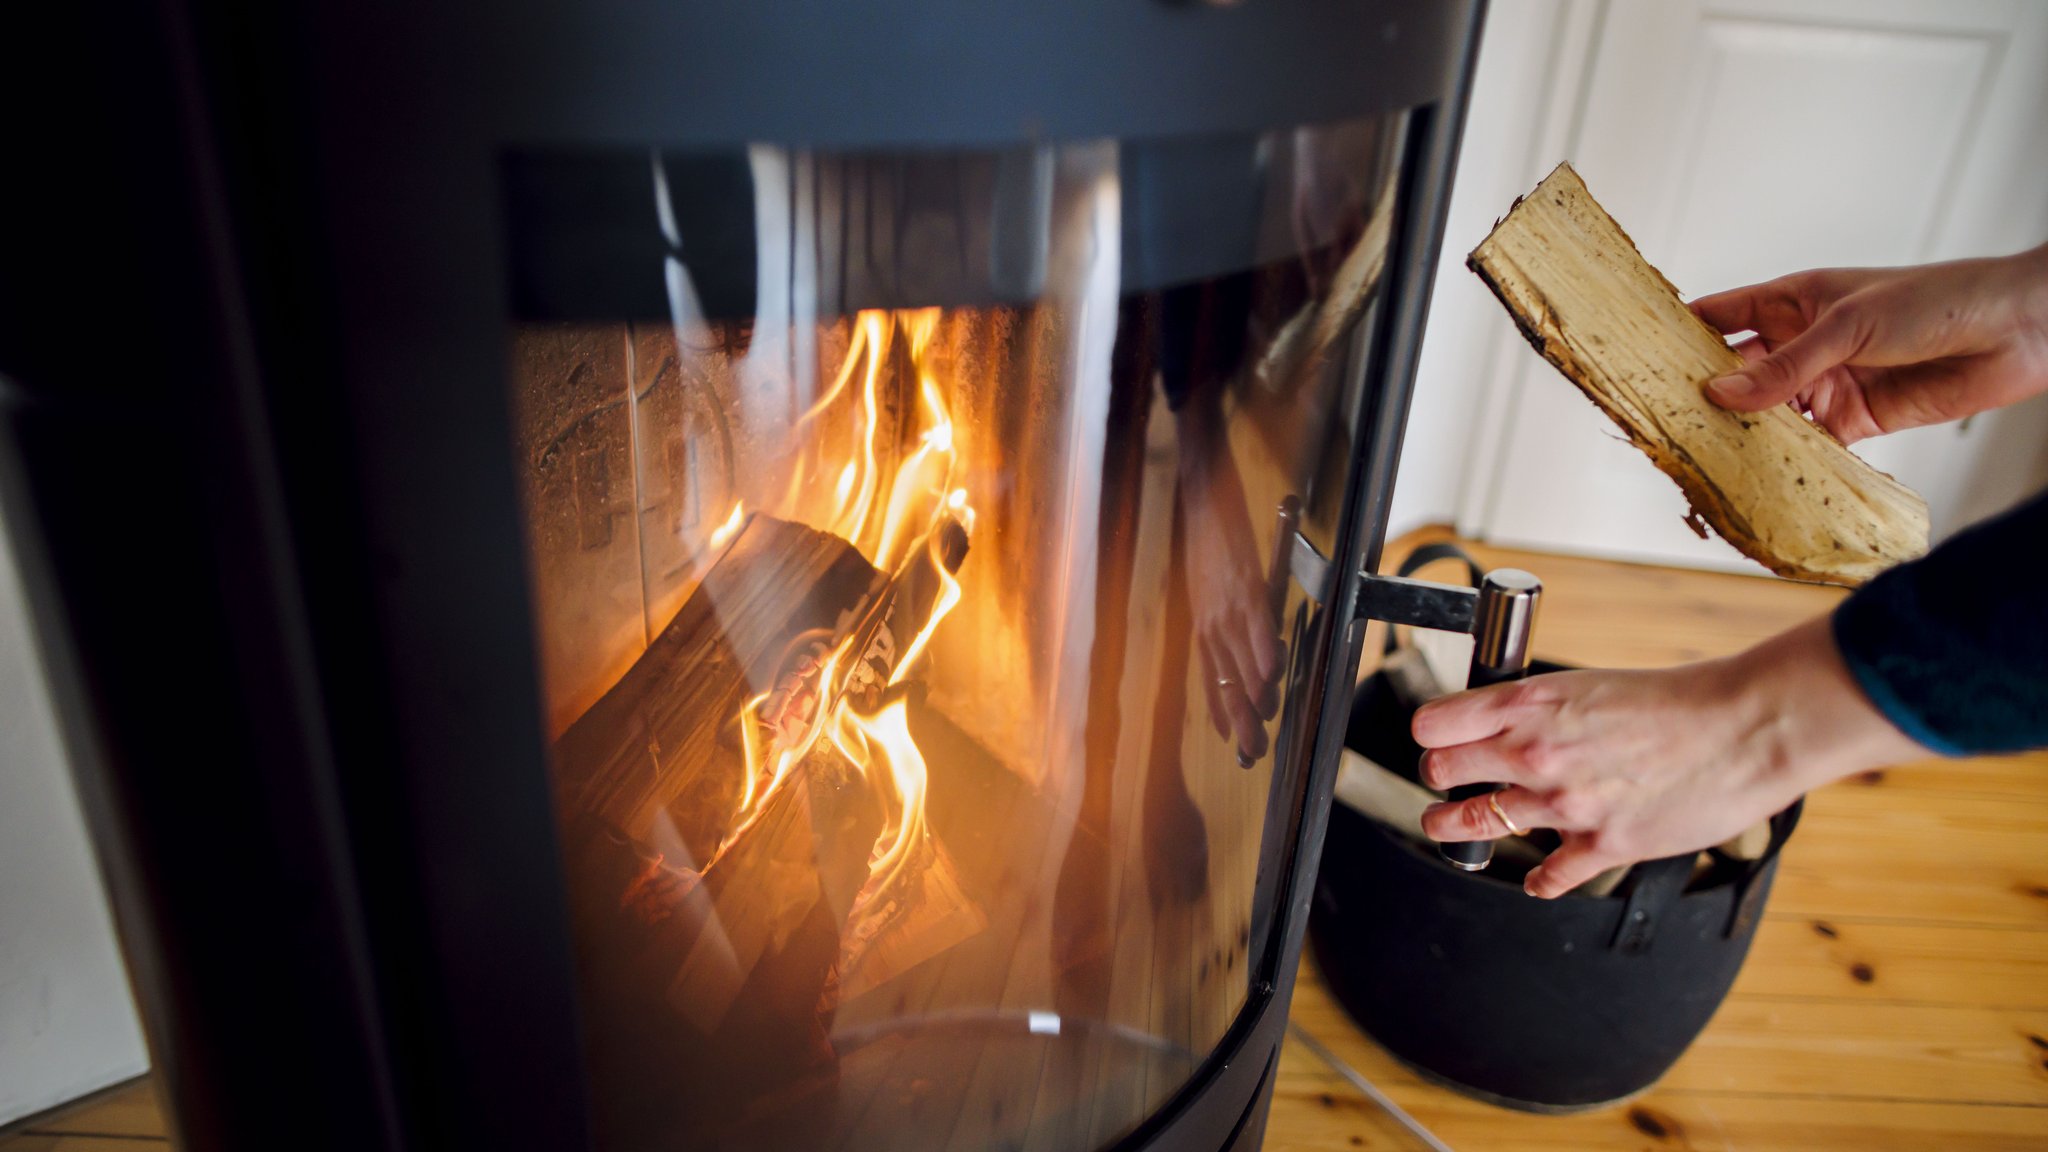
pixel 1634 766
pixel 1867 351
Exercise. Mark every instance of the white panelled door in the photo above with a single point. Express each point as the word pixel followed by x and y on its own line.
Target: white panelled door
pixel 1740 139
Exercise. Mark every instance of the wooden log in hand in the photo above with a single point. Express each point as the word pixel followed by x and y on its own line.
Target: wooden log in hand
pixel 1773 484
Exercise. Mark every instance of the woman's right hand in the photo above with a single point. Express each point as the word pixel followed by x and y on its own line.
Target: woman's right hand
pixel 1867 351
pixel 1636 765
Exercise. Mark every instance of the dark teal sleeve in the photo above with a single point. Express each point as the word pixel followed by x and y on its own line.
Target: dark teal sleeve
pixel 1953 647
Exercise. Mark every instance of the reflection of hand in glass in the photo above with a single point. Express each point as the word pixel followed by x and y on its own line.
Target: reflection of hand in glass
pixel 1236 637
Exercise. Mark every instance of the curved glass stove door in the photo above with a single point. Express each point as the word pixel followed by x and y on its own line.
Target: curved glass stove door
pixel 909 539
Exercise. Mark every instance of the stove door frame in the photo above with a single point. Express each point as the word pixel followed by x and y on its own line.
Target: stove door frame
pixel 334 554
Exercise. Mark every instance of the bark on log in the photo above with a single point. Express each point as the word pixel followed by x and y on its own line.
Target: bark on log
pixel 1773 484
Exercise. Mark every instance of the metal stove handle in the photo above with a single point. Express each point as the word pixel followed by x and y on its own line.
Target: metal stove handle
pixel 1501 616
pixel 1503 620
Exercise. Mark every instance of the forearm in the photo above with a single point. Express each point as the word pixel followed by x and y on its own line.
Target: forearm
pixel 1952 648
pixel 1812 723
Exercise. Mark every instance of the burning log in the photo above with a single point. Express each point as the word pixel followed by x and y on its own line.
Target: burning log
pixel 793 911
pixel 872 650
pixel 756 894
pixel 659 749
pixel 895 926
pixel 655 742
pixel 765 731
pixel 911 906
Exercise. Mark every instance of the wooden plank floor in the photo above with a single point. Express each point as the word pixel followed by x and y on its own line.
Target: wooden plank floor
pixel 1897 993
pixel 1896 997
pixel 125 1118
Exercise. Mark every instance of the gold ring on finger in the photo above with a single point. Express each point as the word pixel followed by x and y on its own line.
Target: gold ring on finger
pixel 1493 802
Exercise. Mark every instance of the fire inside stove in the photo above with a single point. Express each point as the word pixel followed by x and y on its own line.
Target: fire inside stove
pixel 915 616
pixel 893 528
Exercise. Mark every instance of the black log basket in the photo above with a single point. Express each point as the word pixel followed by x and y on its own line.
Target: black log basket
pixel 1540 1005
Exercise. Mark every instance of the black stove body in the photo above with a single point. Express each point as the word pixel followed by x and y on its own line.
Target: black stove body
pixel 674 576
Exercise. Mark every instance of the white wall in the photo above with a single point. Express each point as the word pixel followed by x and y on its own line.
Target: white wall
pixel 1512 137
pixel 1497 443
pixel 67 1024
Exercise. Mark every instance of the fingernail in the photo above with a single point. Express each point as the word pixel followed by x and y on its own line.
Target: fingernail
pixel 1433 809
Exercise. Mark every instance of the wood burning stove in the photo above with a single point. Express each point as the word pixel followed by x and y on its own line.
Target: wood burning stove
pixel 767 577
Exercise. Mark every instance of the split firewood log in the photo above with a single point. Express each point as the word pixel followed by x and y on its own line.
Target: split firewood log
pixel 1773 484
pixel 1396 802
pixel 714 984
pixel 878 634
pixel 775 606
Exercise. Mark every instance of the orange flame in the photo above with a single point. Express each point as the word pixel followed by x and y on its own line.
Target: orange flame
pixel 724 532
pixel 949 595
pixel 887 734
pixel 921 492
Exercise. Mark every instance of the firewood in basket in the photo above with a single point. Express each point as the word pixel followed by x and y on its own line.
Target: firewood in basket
pixel 1772 483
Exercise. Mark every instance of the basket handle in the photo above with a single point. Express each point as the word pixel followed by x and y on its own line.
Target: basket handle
pixel 1653 888
pixel 1656 885
pixel 1749 895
